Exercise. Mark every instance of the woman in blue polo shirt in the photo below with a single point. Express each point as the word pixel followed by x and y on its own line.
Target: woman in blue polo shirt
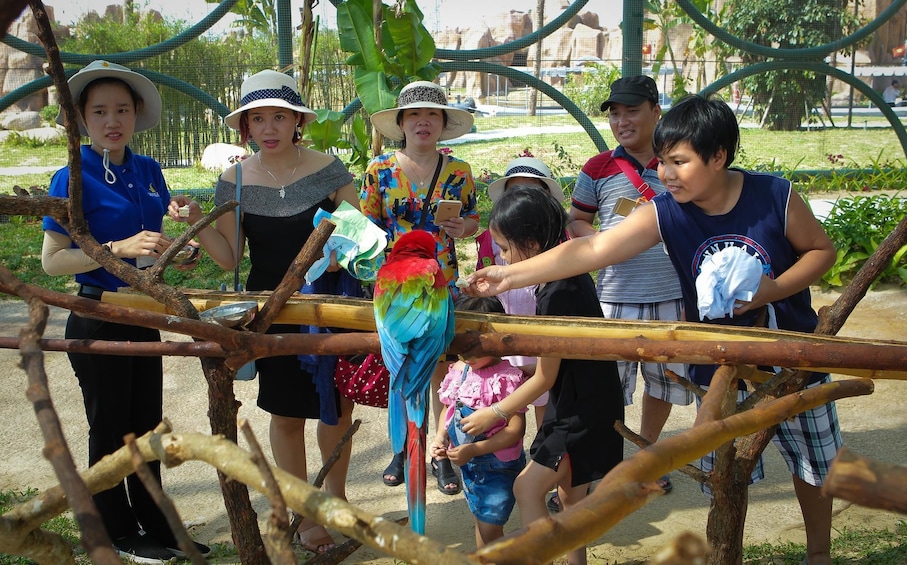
pixel 125 198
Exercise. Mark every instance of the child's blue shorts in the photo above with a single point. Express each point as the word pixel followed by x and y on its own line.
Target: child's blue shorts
pixel 487 481
pixel 488 486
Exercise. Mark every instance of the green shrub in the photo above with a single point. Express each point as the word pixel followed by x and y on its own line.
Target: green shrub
pixel 19 139
pixel 49 113
pixel 588 90
pixel 857 226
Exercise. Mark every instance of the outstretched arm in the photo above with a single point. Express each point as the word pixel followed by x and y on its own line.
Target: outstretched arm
pixel 629 238
pixel 540 382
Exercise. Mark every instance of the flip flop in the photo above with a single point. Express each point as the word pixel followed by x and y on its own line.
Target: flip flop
pixel 394 470
pixel 665 483
pixel 319 545
pixel 443 470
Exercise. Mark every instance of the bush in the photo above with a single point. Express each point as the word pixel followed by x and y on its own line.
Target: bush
pixel 19 139
pixel 588 90
pixel 857 226
pixel 49 113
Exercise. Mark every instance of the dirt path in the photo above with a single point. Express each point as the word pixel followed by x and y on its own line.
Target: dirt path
pixel 874 426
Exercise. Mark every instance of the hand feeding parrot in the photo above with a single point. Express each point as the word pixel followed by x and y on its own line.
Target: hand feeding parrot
pixel 414 315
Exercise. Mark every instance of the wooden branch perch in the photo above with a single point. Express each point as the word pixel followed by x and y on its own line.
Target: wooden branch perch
pixel 295 275
pixel 228 458
pixel 624 490
pixel 277 545
pixel 868 483
pixel 163 503
pixel 642 443
pixel 95 538
pixel 58 208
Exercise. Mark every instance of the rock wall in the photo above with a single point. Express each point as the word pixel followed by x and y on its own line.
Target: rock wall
pixel 581 40
pixel 18 69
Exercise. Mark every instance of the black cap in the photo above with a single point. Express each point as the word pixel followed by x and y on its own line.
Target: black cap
pixel 632 91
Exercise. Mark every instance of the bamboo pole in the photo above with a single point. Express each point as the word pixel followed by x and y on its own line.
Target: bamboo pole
pixel 357 314
pixel 593 338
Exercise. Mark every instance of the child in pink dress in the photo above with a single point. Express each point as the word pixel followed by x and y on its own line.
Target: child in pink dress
pixel 490 462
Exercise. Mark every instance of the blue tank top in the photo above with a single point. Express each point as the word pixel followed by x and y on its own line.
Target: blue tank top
pixel 757 224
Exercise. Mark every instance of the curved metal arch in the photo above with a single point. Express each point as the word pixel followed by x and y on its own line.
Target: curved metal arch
pixel 821 68
pixel 188 89
pixel 124 58
pixel 516 45
pixel 789 54
pixel 557 96
pixel 127 57
pixel 500 70
pixel 158 78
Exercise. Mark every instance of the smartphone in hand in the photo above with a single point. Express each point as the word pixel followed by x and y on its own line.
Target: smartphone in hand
pixel 447 209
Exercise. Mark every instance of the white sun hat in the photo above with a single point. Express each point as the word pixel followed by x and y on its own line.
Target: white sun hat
pixel 147 115
pixel 526 167
pixel 422 94
pixel 269 88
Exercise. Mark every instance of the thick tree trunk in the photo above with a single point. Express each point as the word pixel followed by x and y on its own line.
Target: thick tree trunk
pixel 724 530
pixel 223 410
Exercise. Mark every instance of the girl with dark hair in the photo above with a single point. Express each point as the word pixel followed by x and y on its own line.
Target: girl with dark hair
pixel 124 198
pixel 283 185
pixel 576 443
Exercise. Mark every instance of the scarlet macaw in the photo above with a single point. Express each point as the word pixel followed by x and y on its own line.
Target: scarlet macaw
pixel 414 315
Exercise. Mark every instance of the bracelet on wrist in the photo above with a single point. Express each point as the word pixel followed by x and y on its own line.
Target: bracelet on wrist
pixel 499 412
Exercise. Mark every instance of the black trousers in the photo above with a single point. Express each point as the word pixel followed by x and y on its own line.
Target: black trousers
pixel 122 395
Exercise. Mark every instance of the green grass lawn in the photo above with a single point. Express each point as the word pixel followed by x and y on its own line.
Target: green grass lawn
pixel 564 152
pixel 873 149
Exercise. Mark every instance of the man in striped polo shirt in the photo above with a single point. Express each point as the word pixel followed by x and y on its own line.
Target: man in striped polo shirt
pixel 645 287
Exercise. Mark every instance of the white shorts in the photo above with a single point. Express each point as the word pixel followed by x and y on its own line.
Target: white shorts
pixel 658 385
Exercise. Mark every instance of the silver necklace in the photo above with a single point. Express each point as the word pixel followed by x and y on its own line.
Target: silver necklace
pixel 420 182
pixel 282 191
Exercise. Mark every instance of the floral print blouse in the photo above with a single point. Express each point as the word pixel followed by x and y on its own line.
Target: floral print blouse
pixel 397 204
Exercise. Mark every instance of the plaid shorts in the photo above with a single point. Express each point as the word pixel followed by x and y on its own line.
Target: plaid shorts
pixel 808 442
pixel 658 385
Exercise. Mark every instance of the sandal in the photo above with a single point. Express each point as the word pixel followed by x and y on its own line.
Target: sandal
pixel 665 483
pixel 448 481
pixel 393 475
pixel 553 503
pixel 322 544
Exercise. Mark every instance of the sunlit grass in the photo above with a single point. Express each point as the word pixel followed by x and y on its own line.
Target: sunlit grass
pixel 779 151
pixel 790 153
pixel 849 545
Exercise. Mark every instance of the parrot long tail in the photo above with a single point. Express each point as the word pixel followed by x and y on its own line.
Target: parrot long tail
pixel 416 478
pixel 396 420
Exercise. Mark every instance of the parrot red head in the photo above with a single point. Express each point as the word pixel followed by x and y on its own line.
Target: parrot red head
pixel 416 243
